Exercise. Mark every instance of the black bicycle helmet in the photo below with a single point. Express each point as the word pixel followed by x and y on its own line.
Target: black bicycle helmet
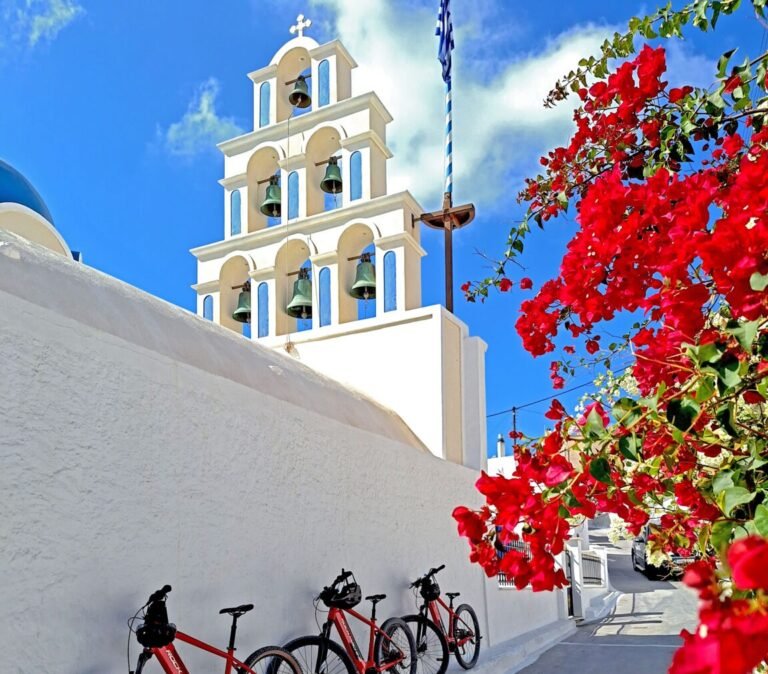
pixel 430 590
pixel 156 631
pixel 347 597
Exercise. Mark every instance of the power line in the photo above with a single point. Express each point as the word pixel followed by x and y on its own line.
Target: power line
pixel 517 408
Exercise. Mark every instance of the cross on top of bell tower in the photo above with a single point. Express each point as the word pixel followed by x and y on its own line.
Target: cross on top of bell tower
pixel 301 25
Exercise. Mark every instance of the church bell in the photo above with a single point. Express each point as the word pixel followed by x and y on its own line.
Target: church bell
pixel 243 312
pixel 300 305
pixel 299 97
pixel 271 204
pixel 331 183
pixel 364 287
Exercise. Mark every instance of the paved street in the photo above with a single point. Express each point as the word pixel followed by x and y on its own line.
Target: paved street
pixel 641 635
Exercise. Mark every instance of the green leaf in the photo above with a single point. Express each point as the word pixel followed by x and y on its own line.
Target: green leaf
pixel 600 469
pixel 626 411
pixel 629 446
pixel 682 413
pixel 745 332
pixel 758 282
pixel 594 425
pixel 733 497
pixel 761 520
pixel 722 63
pixel 728 372
pixel 721 534
pixel 705 390
pixel 725 416
pixel 723 480
pixel 518 245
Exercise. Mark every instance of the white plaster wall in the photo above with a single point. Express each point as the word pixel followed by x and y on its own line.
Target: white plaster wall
pixel 141 445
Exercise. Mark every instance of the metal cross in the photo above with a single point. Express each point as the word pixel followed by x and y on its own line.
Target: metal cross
pixel 301 25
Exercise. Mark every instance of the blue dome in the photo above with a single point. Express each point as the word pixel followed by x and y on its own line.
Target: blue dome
pixel 16 189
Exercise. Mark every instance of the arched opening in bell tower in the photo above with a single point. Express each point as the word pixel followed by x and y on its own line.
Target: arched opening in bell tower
pixel 323 144
pixel 234 272
pixel 354 242
pixel 290 287
pixel 294 63
pixel 262 165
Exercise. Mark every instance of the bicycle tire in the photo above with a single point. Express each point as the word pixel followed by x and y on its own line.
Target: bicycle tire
pixel 431 645
pixel 271 660
pixel 302 649
pixel 382 650
pixel 460 627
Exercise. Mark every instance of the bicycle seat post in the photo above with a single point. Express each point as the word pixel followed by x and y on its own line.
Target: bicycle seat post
pixel 233 632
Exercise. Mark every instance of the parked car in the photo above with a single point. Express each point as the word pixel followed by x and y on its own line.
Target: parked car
pixel 673 566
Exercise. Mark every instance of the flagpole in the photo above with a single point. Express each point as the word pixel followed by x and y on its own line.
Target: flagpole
pixel 449 218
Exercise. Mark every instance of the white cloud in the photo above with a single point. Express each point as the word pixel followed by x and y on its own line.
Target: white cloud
pixel 201 127
pixel 34 21
pixel 500 124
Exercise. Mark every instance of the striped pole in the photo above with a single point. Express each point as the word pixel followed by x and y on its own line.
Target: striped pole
pixel 448 139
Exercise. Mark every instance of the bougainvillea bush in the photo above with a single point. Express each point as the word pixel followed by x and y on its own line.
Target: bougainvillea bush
pixel 670 190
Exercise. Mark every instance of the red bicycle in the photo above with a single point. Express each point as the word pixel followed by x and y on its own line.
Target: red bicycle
pixel 433 640
pixel 156 634
pixel 391 647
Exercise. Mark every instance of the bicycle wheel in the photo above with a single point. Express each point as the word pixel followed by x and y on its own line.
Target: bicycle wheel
pixel 466 632
pixel 395 643
pixel 271 660
pixel 431 645
pixel 317 655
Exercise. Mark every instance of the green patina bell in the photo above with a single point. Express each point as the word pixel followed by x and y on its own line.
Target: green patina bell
pixel 271 204
pixel 331 183
pixel 364 287
pixel 299 97
pixel 300 305
pixel 243 312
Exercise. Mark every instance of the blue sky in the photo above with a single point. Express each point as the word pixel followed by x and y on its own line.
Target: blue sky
pixel 113 109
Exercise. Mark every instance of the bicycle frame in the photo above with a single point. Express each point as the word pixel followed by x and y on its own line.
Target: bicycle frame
pixel 434 613
pixel 337 618
pixel 171 662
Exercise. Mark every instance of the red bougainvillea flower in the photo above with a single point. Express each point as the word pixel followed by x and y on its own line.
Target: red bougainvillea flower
pixel 471 524
pixel 526 283
pixel 556 411
pixel 465 287
pixel 748 559
pixel 592 346
pixel 505 284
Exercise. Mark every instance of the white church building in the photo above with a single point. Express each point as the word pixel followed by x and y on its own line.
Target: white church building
pixel 142 444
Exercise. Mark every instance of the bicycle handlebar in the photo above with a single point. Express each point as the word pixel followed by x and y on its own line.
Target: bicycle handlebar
pixel 160 594
pixel 431 572
pixel 342 577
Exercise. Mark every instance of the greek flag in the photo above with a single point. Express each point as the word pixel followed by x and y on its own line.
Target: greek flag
pixel 445 32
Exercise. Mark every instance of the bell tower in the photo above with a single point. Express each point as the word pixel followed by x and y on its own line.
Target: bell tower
pixel 319 260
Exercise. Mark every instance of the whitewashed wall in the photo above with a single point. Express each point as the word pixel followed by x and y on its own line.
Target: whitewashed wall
pixel 142 445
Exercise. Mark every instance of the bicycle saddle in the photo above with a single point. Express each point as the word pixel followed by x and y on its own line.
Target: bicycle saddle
pixel 237 611
pixel 375 598
pixel 452 595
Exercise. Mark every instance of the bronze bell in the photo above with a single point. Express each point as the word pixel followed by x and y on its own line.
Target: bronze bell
pixel 299 97
pixel 243 312
pixel 272 202
pixel 364 287
pixel 331 183
pixel 300 305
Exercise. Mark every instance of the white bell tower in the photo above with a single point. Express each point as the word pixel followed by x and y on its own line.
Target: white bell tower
pixel 287 219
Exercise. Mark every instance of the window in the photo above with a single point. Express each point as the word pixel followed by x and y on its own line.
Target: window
pixel 355 176
pixel 390 281
pixel 324 295
pixel 235 213
pixel 293 195
pixel 264 104
pixel 324 88
pixel 262 295
pixel 208 308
